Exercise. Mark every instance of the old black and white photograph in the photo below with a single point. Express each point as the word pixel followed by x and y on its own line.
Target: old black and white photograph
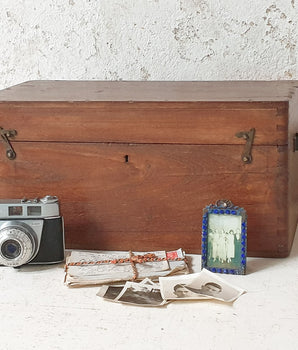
pixel 202 285
pixel 110 292
pixel 144 294
pixel 224 238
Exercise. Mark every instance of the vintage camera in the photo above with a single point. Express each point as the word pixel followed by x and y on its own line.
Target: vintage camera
pixel 31 231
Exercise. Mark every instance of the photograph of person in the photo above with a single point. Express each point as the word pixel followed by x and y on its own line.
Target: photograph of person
pixel 140 294
pixel 203 285
pixel 224 241
pixel 208 289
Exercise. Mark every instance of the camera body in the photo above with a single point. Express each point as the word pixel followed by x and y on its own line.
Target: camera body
pixel 31 231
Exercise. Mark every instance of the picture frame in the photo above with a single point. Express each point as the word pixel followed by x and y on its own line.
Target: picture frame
pixel 224 238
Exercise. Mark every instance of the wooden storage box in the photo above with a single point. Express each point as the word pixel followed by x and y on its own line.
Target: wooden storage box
pixel 135 163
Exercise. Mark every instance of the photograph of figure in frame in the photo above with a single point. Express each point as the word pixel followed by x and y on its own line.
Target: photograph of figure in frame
pixel 224 241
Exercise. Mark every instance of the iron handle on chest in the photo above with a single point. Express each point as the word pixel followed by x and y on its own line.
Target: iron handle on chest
pixel 248 136
pixel 295 142
pixel 6 135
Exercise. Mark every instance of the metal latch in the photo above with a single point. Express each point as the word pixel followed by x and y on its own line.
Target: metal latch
pixel 6 134
pixel 249 137
pixel 295 142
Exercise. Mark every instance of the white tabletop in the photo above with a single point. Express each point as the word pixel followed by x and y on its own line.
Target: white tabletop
pixel 39 312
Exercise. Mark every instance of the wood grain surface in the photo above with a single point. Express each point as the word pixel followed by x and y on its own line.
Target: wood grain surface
pixel 120 196
pixel 160 91
pixel 179 123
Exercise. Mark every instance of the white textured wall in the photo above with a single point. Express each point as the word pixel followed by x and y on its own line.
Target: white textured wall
pixel 147 40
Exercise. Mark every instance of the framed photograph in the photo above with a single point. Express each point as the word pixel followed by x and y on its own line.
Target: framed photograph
pixel 224 231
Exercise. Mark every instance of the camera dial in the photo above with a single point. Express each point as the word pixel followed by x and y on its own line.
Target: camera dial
pixel 18 244
pixel 49 199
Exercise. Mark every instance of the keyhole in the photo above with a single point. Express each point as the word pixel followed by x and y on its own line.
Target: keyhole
pixel 126 158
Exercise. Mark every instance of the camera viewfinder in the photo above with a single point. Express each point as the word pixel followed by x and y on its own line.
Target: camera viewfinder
pixel 15 210
pixel 34 211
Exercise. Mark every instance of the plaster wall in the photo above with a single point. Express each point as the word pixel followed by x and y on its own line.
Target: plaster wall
pixel 147 40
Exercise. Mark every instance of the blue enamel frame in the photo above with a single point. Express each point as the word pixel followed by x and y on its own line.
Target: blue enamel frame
pixel 226 208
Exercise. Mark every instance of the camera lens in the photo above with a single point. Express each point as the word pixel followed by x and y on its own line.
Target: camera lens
pixel 17 244
pixel 11 249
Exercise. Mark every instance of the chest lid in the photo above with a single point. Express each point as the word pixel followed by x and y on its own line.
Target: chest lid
pixel 148 112
pixel 149 91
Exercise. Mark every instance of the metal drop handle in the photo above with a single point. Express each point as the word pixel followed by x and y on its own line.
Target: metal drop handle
pixel 5 135
pixel 249 137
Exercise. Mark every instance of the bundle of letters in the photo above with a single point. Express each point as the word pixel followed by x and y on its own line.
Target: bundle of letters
pixel 101 267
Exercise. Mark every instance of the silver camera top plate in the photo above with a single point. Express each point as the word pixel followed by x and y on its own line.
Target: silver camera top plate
pixel 47 206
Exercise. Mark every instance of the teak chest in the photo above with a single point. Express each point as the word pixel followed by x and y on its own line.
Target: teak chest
pixel 135 163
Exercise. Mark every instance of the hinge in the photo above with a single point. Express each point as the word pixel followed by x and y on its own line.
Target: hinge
pixel 6 135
